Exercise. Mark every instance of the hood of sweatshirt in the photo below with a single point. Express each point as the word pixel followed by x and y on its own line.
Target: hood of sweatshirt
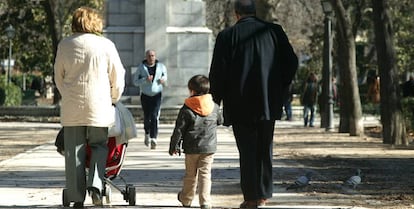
pixel 202 105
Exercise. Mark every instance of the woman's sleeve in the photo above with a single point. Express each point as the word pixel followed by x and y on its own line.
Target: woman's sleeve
pixel 116 75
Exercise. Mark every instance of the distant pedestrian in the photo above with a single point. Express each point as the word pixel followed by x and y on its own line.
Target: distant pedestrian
pixel 335 92
pixel 90 77
pixel 253 64
pixel 195 129
pixel 309 99
pixel 287 104
pixel 408 87
pixel 373 93
pixel 151 77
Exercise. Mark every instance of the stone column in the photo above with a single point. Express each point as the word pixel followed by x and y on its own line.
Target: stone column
pixel 175 29
pixel 181 40
pixel 125 23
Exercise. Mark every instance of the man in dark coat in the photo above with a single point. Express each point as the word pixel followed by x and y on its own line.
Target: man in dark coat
pixel 408 87
pixel 253 64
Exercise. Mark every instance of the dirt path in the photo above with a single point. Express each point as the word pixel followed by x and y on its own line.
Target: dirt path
pixel 16 139
pixel 386 171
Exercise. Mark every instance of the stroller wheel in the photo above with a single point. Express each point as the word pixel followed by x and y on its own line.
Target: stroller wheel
pixel 65 200
pixel 108 194
pixel 131 195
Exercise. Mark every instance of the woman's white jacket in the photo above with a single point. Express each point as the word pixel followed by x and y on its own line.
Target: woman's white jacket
pixel 90 77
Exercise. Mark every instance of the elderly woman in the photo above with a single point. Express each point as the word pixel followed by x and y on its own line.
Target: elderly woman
pixel 90 77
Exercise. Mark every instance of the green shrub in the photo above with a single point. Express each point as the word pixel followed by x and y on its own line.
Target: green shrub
pixel 12 94
pixel 29 94
pixel 29 97
pixel 2 96
pixel 2 90
pixel 408 108
pixel 370 108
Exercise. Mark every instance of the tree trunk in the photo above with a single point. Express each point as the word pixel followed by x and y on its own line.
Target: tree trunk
pixel 51 20
pixel 264 9
pixel 393 124
pixel 351 112
pixel 57 14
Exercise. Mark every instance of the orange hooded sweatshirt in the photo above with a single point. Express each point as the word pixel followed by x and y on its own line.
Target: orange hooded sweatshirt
pixel 202 105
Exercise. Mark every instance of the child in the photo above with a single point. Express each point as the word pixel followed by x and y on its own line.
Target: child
pixel 196 127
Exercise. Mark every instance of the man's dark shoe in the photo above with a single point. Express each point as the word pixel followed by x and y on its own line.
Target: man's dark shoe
pixel 78 205
pixel 253 204
pixel 249 204
pixel 261 202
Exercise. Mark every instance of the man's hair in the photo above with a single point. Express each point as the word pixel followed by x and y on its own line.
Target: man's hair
pixel 199 84
pixel 87 20
pixel 245 7
pixel 148 51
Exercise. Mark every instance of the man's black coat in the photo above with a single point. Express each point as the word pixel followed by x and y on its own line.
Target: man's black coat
pixel 252 66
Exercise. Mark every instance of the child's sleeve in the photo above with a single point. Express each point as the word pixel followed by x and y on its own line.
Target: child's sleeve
pixel 179 131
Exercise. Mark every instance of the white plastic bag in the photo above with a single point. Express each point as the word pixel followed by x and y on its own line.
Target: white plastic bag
pixel 116 129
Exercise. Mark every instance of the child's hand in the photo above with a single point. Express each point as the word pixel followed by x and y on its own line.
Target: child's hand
pixel 175 152
pixel 172 152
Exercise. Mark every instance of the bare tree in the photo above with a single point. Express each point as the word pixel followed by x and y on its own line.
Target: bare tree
pixel 299 18
pixel 58 14
pixel 351 111
pixel 392 119
pixel 219 15
pixel 56 18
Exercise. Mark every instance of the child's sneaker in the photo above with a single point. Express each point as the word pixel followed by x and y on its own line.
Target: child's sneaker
pixel 179 200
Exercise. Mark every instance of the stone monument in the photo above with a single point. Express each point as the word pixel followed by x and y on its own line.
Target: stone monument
pixel 175 29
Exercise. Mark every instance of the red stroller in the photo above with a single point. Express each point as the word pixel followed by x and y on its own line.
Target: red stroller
pixel 115 158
